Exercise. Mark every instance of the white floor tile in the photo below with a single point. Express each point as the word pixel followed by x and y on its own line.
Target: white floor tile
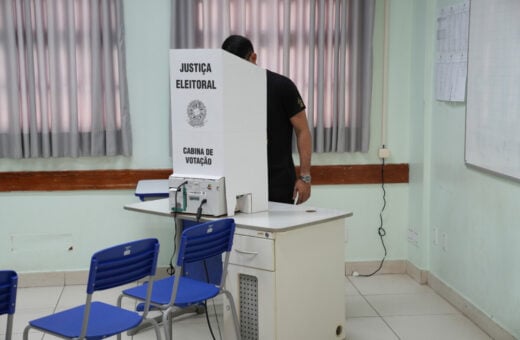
pixel 32 336
pixel 410 304
pixel 76 294
pixel 22 318
pixel 37 297
pixel 72 296
pixel 369 328
pixel 194 331
pixel 435 327
pixel 349 288
pixel 382 307
pixel 148 334
pixel 388 284
pixel 357 306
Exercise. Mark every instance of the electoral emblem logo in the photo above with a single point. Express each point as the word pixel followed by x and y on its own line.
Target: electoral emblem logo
pixel 196 113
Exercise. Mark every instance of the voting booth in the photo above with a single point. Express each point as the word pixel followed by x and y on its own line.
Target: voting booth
pixel 219 139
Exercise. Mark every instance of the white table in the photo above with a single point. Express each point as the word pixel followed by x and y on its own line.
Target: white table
pixel 286 271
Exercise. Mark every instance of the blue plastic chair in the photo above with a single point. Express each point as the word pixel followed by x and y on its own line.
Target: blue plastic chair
pixel 109 268
pixel 8 288
pixel 197 243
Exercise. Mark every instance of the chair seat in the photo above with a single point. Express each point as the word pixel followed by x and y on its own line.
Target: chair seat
pixel 190 291
pixel 105 320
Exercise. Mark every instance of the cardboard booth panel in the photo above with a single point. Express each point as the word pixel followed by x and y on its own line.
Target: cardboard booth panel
pixel 219 122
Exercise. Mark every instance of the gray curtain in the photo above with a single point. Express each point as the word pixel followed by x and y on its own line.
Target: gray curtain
pixel 324 46
pixel 63 87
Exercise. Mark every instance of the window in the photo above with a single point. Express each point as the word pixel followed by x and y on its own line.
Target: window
pixel 324 46
pixel 64 92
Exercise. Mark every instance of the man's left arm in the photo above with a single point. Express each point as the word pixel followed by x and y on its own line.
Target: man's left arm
pixel 304 144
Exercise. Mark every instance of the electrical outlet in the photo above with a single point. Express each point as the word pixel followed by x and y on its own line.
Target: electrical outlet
pixel 413 237
pixel 384 153
pixel 444 237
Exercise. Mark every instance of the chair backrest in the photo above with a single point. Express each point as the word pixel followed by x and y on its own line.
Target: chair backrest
pixel 206 240
pixel 8 288
pixel 122 264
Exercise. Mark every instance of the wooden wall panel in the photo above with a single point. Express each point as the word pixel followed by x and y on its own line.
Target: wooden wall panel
pixel 127 179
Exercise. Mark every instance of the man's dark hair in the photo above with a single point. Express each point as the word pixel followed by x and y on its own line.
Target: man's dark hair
pixel 239 46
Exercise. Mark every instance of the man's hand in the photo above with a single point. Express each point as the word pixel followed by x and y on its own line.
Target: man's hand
pixel 302 190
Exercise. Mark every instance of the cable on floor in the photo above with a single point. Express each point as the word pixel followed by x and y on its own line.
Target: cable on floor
pixel 214 307
pixel 381 230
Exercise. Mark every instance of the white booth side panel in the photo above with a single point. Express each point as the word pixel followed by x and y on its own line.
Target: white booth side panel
pixel 303 298
pixel 310 281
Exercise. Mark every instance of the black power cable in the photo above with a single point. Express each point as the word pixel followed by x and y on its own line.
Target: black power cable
pixel 198 217
pixel 381 231
pixel 214 308
pixel 171 269
pixel 199 210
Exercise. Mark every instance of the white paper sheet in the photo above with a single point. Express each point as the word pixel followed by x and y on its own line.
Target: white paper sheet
pixel 452 57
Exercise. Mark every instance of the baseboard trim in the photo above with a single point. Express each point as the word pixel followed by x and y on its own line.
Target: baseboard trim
pixel 368 267
pixel 389 267
pixel 483 321
pixel 422 276
pixel 419 275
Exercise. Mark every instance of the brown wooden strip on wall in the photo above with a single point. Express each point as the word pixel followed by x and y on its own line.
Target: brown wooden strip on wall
pixel 359 174
pixel 77 180
pixel 127 179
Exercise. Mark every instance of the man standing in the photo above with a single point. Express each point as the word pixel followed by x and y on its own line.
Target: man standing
pixel 285 114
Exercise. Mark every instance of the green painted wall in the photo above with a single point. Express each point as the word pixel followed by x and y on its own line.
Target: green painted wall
pixel 39 228
pixel 475 211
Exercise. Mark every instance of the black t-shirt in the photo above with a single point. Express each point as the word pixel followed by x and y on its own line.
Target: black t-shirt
pixel 283 102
